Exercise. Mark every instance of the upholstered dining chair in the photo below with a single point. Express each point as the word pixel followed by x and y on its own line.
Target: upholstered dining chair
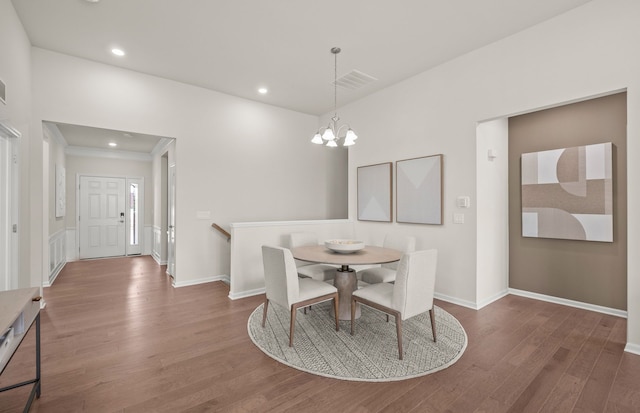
pixel 387 272
pixel 412 293
pixel 321 272
pixel 283 287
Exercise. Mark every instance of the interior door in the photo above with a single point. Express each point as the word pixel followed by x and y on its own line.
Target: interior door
pixel 8 208
pixel 102 217
pixel 171 217
pixel 5 222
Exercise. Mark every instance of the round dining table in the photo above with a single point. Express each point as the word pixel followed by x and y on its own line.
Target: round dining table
pixel 345 280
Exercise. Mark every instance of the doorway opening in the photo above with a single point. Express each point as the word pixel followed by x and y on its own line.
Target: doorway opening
pixel 8 207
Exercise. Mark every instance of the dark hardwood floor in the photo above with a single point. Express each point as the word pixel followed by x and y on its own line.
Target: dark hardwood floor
pixel 117 337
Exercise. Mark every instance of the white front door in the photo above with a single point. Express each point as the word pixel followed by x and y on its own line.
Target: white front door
pixel 102 217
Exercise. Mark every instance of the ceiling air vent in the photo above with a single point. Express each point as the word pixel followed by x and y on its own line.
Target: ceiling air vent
pixel 354 80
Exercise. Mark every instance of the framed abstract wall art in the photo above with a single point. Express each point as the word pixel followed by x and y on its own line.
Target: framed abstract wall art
pixel 568 193
pixel 374 192
pixel 60 191
pixel 419 190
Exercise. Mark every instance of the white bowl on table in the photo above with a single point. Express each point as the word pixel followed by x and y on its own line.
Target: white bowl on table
pixel 344 246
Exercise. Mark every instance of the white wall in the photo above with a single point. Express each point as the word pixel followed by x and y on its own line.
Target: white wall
pixel 240 160
pixel 586 52
pixel 15 72
pixel 247 238
pixel 492 199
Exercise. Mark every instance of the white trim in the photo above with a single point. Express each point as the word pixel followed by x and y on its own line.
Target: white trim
pixel 245 294
pixel 632 348
pixel 51 131
pixel 570 303
pixel 179 284
pixel 161 147
pixel 157 260
pixel 105 153
pixel 457 301
pixel 9 131
pixel 284 223
pixel 491 299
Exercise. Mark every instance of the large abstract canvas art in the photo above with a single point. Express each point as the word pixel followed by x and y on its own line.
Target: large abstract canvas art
pixel 568 193
pixel 374 192
pixel 419 190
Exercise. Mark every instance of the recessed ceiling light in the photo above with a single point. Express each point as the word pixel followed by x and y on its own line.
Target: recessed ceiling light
pixel 117 52
pixel 113 144
pixel 263 90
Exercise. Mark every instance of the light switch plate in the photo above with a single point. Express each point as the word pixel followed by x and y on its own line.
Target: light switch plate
pixel 463 202
pixel 458 218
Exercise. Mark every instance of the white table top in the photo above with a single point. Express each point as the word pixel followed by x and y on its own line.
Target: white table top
pixel 369 255
pixel 12 303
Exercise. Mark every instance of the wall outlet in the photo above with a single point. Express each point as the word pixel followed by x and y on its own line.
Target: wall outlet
pixel 458 218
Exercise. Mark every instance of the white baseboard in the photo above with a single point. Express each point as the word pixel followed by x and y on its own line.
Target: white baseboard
pixel 244 294
pixel 491 299
pixel 53 276
pixel 455 300
pixel 198 281
pixel 157 260
pixel 632 348
pixel 570 303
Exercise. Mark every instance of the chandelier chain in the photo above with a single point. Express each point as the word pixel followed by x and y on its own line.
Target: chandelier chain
pixel 335 52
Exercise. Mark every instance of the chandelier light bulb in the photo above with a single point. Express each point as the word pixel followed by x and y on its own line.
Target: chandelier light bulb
pixel 317 139
pixel 328 135
pixel 351 135
pixel 348 142
pixel 332 144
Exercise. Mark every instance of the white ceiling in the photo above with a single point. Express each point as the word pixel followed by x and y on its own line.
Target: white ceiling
pixel 96 138
pixel 235 46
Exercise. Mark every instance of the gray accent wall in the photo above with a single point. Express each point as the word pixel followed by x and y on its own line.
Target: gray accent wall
pixel 585 271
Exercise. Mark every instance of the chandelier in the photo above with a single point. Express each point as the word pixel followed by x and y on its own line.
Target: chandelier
pixel 332 133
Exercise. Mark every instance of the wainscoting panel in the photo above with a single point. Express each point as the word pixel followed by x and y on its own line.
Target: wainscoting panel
pixel 57 255
pixel 156 248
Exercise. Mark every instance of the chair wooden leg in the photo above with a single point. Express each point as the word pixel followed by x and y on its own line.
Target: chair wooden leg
pixel 432 316
pixel 335 310
pixel 293 324
pixel 264 313
pixel 353 312
pixel 399 332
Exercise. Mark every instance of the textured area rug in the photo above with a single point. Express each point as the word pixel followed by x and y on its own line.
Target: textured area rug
pixel 371 354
